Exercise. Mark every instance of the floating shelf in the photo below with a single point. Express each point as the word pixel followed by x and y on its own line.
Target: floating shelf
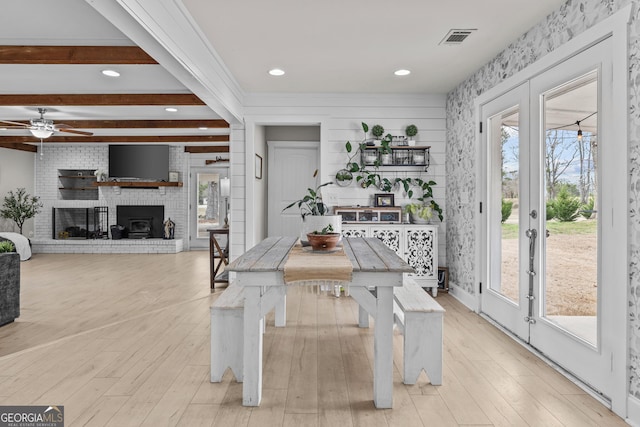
pixel 138 184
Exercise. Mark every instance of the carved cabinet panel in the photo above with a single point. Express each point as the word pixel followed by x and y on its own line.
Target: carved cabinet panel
pixel 416 244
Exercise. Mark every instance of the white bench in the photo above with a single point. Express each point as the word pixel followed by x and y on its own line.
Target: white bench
pixel 227 326
pixel 420 319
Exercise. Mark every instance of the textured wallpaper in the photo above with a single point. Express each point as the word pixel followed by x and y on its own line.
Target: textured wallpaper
pixel 559 27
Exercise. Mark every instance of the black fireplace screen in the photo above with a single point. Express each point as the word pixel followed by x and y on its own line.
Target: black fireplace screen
pixel 80 223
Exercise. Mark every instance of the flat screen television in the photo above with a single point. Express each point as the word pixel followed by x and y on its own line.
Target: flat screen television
pixel 143 162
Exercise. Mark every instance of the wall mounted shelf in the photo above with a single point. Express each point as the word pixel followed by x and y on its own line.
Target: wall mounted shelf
pixel 160 185
pixel 138 184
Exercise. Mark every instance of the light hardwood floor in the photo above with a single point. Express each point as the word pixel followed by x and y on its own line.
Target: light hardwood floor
pixel 123 340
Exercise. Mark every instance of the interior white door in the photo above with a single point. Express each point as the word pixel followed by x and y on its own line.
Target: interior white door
pixel 291 169
pixel 545 266
pixel 206 204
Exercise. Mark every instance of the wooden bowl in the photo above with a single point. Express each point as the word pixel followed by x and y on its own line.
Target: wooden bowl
pixel 323 242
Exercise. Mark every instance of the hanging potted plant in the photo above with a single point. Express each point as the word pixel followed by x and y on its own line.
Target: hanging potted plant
pixel 314 213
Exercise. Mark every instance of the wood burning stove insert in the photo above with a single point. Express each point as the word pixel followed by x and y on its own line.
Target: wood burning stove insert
pixel 141 222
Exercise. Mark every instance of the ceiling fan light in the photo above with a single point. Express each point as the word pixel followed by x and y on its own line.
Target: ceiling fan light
pixel 41 133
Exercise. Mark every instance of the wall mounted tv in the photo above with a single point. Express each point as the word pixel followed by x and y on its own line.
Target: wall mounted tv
pixel 143 162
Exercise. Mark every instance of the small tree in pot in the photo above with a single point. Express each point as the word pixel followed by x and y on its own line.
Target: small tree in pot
pixel 20 206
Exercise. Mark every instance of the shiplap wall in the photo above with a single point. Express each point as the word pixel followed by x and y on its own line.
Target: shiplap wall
pixel 339 117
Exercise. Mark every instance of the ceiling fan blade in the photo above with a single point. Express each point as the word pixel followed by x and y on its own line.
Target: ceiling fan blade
pixel 78 132
pixel 24 125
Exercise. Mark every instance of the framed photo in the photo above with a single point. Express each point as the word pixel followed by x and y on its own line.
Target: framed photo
pixel 384 200
pixel 443 279
pixel 258 166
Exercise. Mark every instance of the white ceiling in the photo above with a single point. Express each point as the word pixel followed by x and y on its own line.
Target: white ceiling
pixel 332 46
pixel 356 45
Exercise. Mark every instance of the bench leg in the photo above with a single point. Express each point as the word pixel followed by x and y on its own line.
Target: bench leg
pixel 363 317
pixel 423 347
pixel 281 312
pixel 226 348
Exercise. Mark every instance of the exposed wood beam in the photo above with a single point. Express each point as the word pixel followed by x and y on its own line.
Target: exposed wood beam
pixel 119 138
pixel 19 146
pixel 206 149
pixel 140 124
pixel 102 99
pixel 74 55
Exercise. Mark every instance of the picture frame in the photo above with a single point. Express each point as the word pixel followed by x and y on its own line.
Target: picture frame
pixel 384 200
pixel 443 279
pixel 258 166
pixel 173 176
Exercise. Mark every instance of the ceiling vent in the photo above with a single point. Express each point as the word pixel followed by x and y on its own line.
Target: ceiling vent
pixel 456 36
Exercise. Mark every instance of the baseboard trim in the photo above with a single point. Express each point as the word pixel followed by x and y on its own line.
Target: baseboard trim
pixel 464 297
pixel 633 411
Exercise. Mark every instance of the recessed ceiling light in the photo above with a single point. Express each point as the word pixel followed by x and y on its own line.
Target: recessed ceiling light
pixel 203 128
pixel 402 72
pixel 3 128
pixel 276 72
pixel 111 73
pixel 171 109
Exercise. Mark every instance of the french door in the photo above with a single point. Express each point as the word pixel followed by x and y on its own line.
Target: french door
pixel 545 234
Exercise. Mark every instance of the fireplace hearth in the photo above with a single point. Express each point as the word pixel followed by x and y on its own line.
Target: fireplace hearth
pixel 141 222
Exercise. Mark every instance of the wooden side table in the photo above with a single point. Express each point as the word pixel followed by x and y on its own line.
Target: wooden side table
pixel 217 252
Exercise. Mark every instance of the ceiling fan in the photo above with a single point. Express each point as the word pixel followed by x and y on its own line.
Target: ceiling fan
pixel 44 128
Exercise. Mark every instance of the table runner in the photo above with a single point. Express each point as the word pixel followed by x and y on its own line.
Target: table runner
pixel 317 268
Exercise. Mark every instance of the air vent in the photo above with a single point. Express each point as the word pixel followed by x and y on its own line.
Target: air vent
pixel 456 36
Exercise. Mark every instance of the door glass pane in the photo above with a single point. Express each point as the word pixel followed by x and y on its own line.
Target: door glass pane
pixel 504 196
pixel 209 212
pixel 570 281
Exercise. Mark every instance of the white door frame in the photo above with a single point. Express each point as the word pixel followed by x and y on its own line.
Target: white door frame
pixel 616 27
pixel 193 202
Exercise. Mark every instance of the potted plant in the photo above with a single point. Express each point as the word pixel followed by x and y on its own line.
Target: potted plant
pixel 344 177
pixel 377 131
pixel 9 282
pixel 411 131
pixel 419 213
pixel 314 212
pixel 20 206
pixel 323 240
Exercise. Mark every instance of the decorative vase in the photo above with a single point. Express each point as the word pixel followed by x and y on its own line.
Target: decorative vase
pixel 312 223
pixel 323 242
pixel 415 219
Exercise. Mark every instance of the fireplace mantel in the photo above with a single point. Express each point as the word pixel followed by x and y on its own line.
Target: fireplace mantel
pixel 160 185
pixel 138 184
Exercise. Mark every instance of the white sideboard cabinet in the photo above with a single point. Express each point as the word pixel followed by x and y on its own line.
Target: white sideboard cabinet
pixel 416 244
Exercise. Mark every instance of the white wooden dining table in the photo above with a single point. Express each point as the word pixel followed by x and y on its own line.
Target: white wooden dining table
pixel 260 271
